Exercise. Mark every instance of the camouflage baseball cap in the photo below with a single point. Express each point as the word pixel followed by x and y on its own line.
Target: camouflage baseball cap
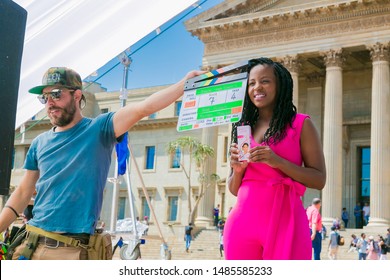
pixel 59 76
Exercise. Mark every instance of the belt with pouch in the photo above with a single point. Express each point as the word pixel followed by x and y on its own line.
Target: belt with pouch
pixel 55 240
pixel 53 243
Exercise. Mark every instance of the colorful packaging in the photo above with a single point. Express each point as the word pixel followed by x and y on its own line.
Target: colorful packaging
pixel 244 142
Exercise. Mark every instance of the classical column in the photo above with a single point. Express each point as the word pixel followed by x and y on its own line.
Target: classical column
pixel 314 99
pixel 380 137
pixel 313 107
pixel 206 205
pixel 333 146
pixel 292 64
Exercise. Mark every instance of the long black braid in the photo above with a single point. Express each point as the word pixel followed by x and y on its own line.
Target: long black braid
pixel 284 111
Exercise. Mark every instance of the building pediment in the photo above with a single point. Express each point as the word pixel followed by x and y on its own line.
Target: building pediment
pixel 268 15
pixel 237 30
pixel 231 8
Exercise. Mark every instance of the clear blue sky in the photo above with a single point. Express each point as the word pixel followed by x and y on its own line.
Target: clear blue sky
pixel 164 60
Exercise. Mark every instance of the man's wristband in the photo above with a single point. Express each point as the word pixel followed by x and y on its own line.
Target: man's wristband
pixel 13 210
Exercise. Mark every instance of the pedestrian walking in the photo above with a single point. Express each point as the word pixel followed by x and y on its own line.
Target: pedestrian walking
pixel 188 236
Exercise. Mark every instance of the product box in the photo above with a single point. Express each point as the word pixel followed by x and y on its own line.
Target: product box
pixel 244 141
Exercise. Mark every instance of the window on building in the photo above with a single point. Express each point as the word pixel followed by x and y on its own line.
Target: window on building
pixel 104 110
pixel 365 172
pixel 145 207
pixel 172 195
pixel 121 208
pixel 149 154
pixel 177 108
pixel 175 158
pixel 172 208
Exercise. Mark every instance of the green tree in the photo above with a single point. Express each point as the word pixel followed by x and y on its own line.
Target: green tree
pixel 198 154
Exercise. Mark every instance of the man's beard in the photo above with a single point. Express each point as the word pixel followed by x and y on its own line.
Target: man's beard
pixel 66 117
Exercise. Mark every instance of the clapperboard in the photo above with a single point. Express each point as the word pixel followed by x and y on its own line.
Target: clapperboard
pixel 214 98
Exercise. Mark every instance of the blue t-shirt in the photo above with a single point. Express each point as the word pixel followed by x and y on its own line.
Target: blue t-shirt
pixel 357 211
pixel 362 245
pixel 344 215
pixel 73 167
pixel 333 239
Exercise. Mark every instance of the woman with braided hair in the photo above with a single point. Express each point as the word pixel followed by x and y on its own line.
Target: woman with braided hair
pixel 269 221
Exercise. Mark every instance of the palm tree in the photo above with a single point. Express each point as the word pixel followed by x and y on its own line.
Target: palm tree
pixel 198 153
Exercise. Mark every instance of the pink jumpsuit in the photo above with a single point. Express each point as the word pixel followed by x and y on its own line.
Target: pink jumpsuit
pixel 268 221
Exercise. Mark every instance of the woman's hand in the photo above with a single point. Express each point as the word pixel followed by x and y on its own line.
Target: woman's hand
pixel 237 166
pixel 264 154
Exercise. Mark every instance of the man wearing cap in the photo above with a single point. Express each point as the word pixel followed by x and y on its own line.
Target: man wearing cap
pixel 68 165
pixel 315 224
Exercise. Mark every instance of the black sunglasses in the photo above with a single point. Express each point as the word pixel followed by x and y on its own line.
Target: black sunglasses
pixel 55 94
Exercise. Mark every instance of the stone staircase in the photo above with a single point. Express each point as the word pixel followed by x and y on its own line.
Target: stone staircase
pixel 205 246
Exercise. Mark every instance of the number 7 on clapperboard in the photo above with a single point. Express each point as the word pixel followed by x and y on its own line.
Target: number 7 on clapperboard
pixel 214 98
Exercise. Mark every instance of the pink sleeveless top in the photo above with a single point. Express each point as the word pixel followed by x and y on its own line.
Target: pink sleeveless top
pixel 287 191
pixel 289 148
